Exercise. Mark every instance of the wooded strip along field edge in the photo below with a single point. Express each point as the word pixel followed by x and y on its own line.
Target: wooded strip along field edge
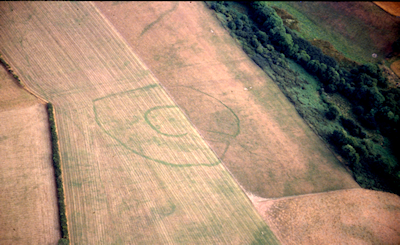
pixel 135 170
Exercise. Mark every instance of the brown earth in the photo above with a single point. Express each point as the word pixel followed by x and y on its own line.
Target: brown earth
pixel 395 66
pixel 392 8
pixel 28 200
pixel 236 107
pixel 354 216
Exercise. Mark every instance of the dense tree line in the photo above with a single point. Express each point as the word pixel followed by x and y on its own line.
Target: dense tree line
pixel 8 68
pixel 58 175
pixel 268 42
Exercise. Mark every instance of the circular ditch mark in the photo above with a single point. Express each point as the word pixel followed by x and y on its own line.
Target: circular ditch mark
pixel 141 121
pixel 164 121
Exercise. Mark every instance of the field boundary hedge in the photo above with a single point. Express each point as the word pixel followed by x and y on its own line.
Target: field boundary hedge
pixel 11 71
pixel 58 174
pixel 19 82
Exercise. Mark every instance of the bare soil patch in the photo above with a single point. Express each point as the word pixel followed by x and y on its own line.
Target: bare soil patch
pixel 392 8
pixel 354 216
pixel 395 66
pixel 235 106
pixel 28 201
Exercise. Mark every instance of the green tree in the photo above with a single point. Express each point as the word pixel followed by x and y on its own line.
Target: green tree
pixel 321 73
pixel 339 138
pixel 261 12
pixel 375 97
pixel 333 112
pixel 332 76
pixel 63 241
pixel 351 154
pixel 302 57
pixel 282 40
pixel 273 21
pixel 232 25
pixel 370 69
pixel 239 24
pixel 313 66
pixel 262 36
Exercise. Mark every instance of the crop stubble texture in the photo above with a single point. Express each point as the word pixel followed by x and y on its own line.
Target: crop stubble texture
pixel 135 170
pixel 355 216
pixel 28 204
pixel 257 132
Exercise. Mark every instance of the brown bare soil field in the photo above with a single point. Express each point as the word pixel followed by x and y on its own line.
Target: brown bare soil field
pixel 236 107
pixel 135 170
pixel 356 216
pixel 28 201
pixel 392 8
pixel 395 66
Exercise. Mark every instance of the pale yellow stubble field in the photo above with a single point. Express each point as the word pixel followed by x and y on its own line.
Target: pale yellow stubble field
pixel 135 170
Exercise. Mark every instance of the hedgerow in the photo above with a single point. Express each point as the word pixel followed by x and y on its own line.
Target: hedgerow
pixel 8 68
pixel 58 175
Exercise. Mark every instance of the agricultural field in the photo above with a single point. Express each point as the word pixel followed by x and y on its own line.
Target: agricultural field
pixel 12 95
pixel 168 134
pixel 236 107
pixel 356 216
pixel 199 61
pixel 28 204
pixel 135 169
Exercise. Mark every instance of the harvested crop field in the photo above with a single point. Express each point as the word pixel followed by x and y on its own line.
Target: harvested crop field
pixel 236 107
pixel 395 66
pixel 354 216
pixel 28 203
pixel 135 170
pixel 12 96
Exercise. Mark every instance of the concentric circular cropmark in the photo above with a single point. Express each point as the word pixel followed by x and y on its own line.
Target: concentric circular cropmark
pixel 152 128
pixel 163 120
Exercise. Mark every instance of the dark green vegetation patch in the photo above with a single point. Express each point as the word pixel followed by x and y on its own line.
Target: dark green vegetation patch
pixel 58 175
pixel 366 132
